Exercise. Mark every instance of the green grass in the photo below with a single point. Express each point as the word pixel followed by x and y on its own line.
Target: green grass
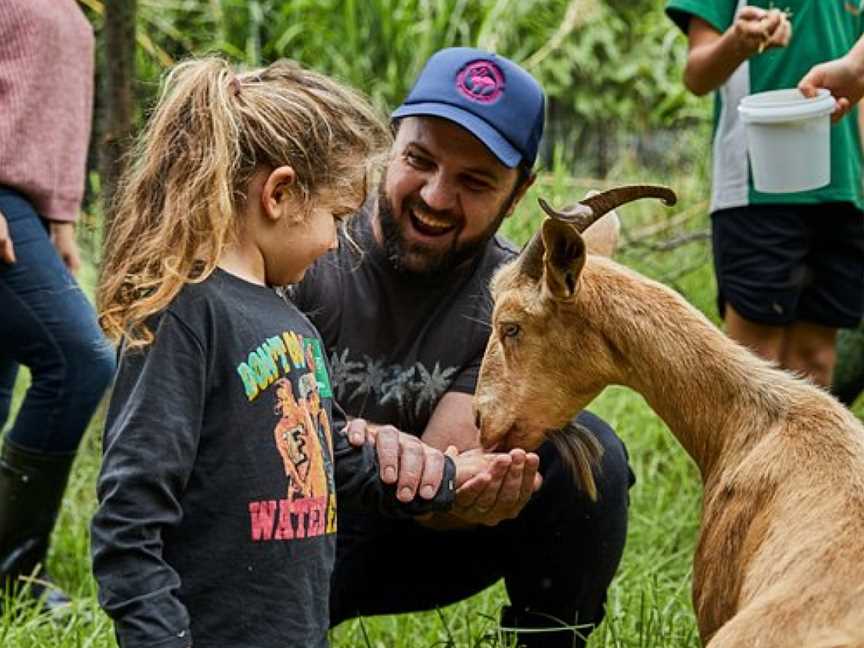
pixel 649 601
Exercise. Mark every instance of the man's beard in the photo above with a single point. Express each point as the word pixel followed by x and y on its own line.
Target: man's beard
pixel 417 259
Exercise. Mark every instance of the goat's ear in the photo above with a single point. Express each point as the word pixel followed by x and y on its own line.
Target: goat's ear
pixel 563 259
pixel 602 237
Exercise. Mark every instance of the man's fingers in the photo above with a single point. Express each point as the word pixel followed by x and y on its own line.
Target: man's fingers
pixel 387 449
pixel 498 471
pixel 466 496
pixel 356 432
pixel 410 468
pixel 510 494
pixel 433 472
pixel 531 478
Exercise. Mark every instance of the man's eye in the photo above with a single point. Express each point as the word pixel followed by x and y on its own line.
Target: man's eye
pixel 473 184
pixel 417 161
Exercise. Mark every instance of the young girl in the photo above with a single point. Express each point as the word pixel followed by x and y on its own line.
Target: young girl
pixel 216 515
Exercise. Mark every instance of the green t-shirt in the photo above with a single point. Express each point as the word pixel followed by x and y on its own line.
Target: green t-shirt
pixel 822 30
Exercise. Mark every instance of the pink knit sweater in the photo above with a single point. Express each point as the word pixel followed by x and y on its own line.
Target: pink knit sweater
pixel 46 102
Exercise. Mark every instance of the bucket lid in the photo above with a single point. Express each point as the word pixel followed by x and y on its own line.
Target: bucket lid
pixel 785 106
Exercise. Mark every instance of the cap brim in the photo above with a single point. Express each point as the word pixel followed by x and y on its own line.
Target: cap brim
pixel 500 147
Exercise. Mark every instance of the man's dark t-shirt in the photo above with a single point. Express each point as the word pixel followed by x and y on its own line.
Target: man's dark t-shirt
pixel 222 464
pixel 397 343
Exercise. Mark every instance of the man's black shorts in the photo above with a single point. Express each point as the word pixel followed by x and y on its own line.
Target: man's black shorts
pixel 778 264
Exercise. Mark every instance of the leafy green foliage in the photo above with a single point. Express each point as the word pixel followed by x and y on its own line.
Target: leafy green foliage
pixel 611 68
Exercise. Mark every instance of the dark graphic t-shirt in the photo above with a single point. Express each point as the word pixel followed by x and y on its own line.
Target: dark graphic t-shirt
pixel 221 469
pixel 397 343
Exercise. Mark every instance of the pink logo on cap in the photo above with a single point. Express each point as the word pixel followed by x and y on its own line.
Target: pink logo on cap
pixel 480 81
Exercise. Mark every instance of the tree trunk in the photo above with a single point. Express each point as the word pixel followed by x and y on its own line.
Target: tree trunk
pixel 118 75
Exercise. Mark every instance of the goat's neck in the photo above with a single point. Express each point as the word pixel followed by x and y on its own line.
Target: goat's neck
pixel 710 391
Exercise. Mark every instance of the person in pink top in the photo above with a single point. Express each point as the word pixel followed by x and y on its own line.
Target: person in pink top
pixel 46 322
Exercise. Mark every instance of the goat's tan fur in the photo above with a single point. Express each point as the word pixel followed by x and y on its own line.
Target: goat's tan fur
pixel 780 557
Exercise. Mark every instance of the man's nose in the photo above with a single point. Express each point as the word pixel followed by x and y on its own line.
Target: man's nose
pixel 438 193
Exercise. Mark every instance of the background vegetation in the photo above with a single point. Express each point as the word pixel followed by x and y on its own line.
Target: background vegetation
pixel 618 113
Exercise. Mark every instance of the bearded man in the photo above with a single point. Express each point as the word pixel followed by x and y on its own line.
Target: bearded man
pixel 405 315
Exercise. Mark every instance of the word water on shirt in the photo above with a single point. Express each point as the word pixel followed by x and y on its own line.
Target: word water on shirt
pixel 289 370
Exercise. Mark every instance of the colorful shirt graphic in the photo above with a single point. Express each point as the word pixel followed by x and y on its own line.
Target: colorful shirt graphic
pixel 302 437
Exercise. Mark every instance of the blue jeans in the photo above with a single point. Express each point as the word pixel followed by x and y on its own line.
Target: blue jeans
pixel 48 325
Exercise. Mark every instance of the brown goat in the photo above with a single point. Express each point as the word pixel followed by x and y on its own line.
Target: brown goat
pixel 780 557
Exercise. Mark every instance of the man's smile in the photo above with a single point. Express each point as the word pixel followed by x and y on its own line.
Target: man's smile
pixel 429 225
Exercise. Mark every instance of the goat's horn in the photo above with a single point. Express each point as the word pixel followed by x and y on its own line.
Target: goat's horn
pixel 602 203
pixel 531 258
pixel 577 214
pixel 589 210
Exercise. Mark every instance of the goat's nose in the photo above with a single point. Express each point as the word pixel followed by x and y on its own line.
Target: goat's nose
pixel 477 418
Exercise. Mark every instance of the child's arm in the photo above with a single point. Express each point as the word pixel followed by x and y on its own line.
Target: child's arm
pixel 844 77
pixel 713 56
pixel 150 443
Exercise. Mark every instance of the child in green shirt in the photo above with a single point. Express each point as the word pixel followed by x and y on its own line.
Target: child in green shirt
pixel 789 267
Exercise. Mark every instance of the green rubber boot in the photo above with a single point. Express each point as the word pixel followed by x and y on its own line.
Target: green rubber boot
pixel 31 491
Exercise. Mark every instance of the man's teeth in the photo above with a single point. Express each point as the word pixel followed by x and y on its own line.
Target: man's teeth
pixel 430 221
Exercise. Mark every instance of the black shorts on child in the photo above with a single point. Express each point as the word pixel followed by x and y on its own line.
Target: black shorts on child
pixel 778 264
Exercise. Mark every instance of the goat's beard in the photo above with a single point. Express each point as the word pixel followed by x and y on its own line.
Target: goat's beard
pixel 418 259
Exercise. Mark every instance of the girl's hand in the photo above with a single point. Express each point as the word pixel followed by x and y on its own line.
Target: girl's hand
pixel 756 29
pixel 63 238
pixel 7 251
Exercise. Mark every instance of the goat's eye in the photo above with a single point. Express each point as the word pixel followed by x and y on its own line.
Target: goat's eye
pixel 510 330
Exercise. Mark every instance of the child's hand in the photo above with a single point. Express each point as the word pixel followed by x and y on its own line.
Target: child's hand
pixel 844 77
pixel 756 29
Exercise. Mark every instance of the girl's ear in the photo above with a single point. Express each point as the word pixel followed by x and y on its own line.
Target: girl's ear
pixel 277 194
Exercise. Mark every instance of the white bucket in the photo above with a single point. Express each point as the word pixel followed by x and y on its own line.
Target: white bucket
pixel 788 139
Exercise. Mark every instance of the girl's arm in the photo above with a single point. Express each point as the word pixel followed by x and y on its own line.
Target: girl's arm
pixel 713 56
pixel 150 442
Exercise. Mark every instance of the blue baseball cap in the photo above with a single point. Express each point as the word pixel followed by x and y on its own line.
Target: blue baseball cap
pixel 490 96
